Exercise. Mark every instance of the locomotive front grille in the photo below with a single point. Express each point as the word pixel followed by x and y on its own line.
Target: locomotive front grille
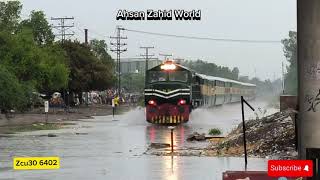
pixel 167 119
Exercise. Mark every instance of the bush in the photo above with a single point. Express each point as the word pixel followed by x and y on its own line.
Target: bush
pixel 215 131
pixel 13 95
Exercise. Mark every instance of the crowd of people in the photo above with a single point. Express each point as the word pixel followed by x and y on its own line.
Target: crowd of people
pixel 96 97
pixel 105 97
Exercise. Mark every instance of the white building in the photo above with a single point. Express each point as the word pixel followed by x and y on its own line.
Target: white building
pixel 137 65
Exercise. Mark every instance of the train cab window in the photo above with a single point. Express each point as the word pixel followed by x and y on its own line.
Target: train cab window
pixel 156 76
pixel 178 76
pixel 196 80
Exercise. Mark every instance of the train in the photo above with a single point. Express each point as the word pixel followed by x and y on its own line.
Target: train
pixel 172 91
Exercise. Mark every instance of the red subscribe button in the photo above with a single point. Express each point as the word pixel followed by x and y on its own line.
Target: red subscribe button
pixel 290 168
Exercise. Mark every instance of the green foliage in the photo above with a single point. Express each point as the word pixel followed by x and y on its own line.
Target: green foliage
pixel 9 15
pixel 133 82
pixel 35 63
pixel 41 66
pixel 12 93
pixel 99 48
pixel 235 73
pixel 42 32
pixel 215 131
pixel 87 71
pixel 212 69
pixel 29 59
pixel 290 52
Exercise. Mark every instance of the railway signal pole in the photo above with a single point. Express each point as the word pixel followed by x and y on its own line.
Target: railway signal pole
pixel 118 49
pixel 147 55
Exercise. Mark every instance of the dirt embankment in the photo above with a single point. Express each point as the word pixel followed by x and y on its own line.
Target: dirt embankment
pixel 9 125
pixel 272 136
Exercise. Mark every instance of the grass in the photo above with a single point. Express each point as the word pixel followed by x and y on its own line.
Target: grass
pixel 215 131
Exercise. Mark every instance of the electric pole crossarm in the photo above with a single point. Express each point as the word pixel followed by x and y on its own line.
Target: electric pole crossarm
pixel 149 55
pixel 111 37
pixel 121 44
pixel 65 34
pixel 59 18
pixel 70 26
pixel 62 27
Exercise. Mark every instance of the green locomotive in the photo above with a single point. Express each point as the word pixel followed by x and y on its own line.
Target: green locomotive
pixel 172 91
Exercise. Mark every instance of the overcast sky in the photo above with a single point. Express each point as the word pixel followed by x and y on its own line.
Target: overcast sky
pixel 234 19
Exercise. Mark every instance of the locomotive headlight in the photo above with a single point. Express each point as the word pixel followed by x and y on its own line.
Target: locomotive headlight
pixel 168 67
pixel 182 102
pixel 152 102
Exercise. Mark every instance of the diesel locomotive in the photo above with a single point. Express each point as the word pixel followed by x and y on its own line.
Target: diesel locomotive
pixel 172 91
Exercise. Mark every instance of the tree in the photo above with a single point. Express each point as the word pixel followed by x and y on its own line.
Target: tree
pixel 87 71
pixel 99 49
pixel 41 29
pixel 42 66
pixel 29 59
pixel 290 52
pixel 235 73
pixel 12 94
pixel 210 69
pixel 133 82
pixel 244 79
pixel 9 15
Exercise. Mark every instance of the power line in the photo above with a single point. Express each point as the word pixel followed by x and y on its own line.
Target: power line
pixel 63 28
pixel 147 55
pixel 203 38
pixel 96 33
pixel 165 56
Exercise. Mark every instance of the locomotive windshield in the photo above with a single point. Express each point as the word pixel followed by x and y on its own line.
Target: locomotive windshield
pixel 156 76
pixel 160 76
pixel 178 76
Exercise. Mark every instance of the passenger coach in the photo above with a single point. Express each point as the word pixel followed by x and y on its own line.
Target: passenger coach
pixel 172 91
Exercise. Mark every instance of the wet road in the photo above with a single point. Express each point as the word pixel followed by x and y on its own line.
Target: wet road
pixel 112 148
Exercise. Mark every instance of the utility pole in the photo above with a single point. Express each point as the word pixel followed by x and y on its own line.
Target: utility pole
pixel 165 56
pixel 63 32
pixel 147 55
pixel 282 78
pixel 86 43
pixel 63 28
pixel 118 49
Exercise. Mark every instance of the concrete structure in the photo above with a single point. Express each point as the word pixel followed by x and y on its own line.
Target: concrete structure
pixel 137 65
pixel 309 79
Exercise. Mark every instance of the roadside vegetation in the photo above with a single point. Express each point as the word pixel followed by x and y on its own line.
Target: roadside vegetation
pixel 32 62
pixel 215 131
pixel 290 52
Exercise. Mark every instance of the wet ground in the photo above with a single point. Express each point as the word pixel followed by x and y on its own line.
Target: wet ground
pixel 113 148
